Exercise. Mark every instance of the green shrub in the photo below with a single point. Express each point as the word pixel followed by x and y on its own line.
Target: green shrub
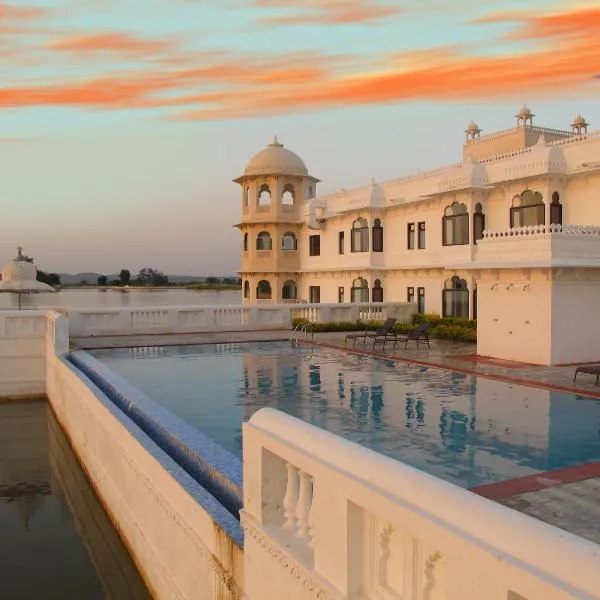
pixel 447 328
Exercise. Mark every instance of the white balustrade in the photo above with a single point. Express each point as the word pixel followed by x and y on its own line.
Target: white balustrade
pixel 544 230
pixel 356 524
pixel 188 319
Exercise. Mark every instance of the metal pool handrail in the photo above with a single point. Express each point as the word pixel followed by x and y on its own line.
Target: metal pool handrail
pixel 302 328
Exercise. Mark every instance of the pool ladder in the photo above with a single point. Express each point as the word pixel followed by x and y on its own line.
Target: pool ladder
pixel 302 328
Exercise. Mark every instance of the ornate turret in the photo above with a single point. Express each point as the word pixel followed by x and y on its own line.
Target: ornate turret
pixel 524 117
pixel 472 131
pixel 579 125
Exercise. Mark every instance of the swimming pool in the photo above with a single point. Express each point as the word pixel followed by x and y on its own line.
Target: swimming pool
pixel 465 429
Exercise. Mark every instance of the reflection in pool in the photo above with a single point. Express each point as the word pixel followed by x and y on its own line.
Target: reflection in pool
pixel 462 428
pixel 57 541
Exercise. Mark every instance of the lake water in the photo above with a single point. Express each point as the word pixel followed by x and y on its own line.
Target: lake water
pixel 94 297
pixel 56 540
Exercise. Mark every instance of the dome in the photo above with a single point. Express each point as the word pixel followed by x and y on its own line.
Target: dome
pixel 19 269
pixel 525 112
pixel 19 275
pixel 276 160
pixel 579 120
pixel 472 126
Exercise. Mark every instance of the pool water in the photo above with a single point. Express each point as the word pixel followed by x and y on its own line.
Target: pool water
pixel 465 429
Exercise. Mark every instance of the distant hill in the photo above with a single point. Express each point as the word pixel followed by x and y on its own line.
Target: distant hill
pixel 91 278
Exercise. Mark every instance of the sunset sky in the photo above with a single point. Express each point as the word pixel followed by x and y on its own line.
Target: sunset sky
pixel 123 122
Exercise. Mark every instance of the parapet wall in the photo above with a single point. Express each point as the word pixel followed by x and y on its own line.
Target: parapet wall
pixel 186 545
pixel 327 518
pixel 22 353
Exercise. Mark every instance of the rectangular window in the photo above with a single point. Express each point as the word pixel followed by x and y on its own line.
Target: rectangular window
pixel 314 245
pixel 410 236
pixel 410 294
pixel 314 294
pixel 341 295
pixel 377 237
pixel 456 230
pixel 421 300
pixel 341 242
pixel 421 241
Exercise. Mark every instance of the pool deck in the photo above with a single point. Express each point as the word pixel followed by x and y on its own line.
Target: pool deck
pixel 567 498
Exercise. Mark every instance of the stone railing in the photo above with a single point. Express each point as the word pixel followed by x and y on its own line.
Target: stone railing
pixel 327 518
pixel 535 230
pixel 198 319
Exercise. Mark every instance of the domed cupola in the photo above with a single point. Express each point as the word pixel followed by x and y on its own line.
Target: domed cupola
pixel 275 159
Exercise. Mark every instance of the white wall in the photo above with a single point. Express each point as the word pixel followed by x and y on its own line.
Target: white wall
pixel 575 322
pixel 22 351
pixel 515 319
pixel 164 517
pixel 325 518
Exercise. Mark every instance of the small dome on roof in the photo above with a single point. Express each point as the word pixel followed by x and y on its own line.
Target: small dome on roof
pixel 276 160
pixel 579 120
pixel 21 275
pixel 525 111
pixel 472 127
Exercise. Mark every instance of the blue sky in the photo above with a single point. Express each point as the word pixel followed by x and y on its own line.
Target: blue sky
pixel 122 122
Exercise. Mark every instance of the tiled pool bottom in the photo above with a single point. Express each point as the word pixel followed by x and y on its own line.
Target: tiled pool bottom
pixel 464 429
pixel 56 541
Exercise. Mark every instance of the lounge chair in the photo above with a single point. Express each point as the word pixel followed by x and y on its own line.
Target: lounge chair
pixel 384 334
pixel 418 335
pixel 385 330
pixel 590 369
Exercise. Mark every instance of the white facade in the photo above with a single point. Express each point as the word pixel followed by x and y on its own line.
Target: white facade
pixel 520 211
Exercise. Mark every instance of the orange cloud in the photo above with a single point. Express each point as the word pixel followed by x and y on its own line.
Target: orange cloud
pixel 327 12
pixel 566 64
pixel 10 12
pixel 110 42
pixel 229 86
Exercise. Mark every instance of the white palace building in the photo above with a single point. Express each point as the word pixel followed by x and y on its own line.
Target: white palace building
pixel 510 235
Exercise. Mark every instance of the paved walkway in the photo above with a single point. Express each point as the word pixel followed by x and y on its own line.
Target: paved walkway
pixel 567 498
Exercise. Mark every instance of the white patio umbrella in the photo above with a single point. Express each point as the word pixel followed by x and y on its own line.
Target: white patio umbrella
pixel 19 277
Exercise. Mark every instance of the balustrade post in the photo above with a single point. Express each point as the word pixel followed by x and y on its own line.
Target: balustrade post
pixel 304 504
pixel 291 497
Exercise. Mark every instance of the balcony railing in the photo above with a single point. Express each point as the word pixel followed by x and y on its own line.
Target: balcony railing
pixel 535 230
pixel 542 245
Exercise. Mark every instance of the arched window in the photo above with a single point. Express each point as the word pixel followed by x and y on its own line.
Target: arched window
pixel 478 222
pixel 245 246
pixel 377 295
pixel 455 298
pixel 263 241
pixel 359 238
pixel 246 289
pixel 555 210
pixel 289 291
pixel 289 195
pixel 264 195
pixel 289 241
pixel 455 225
pixel 310 193
pixel 527 209
pixel 263 290
pixel 247 197
pixel 359 291
pixel 377 236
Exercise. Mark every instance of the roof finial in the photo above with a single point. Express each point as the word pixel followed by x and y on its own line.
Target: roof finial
pixel 20 253
pixel 276 143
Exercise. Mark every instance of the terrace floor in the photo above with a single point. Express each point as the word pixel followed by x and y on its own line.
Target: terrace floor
pixel 567 498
